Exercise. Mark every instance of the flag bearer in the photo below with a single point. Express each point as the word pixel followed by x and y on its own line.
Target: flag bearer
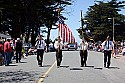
pixel 58 46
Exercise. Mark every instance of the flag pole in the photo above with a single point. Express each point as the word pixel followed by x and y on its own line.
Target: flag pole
pixel 82 23
pixel 83 29
pixel 59 10
pixel 58 20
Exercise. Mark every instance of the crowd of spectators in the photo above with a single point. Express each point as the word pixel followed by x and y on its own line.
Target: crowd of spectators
pixel 119 47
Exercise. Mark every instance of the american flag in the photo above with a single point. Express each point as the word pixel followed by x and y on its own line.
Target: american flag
pixel 65 32
pixel 61 26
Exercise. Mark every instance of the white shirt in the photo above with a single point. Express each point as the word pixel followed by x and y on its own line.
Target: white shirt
pixel 85 46
pixel 56 45
pixel 107 45
pixel 40 44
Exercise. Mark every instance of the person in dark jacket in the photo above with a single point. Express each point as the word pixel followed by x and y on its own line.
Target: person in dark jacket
pixel 18 49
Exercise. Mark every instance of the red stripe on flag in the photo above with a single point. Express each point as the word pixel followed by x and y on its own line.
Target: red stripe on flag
pixel 66 34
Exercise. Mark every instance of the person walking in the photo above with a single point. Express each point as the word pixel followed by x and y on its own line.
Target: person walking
pixel 12 47
pixel 1 48
pixel 18 48
pixel 83 52
pixel 40 45
pixel 58 46
pixel 108 46
pixel 1 54
pixel 7 52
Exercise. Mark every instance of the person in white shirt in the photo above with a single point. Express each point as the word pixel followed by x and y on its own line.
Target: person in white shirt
pixel 108 46
pixel 40 45
pixel 83 52
pixel 58 46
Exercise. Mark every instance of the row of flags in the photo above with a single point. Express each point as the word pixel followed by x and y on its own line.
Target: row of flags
pixel 65 32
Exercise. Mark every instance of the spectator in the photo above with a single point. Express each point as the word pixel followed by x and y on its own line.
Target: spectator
pixel 18 49
pixel 7 51
pixel 1 53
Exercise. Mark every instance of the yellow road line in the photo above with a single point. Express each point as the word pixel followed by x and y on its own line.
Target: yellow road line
pixel 41 79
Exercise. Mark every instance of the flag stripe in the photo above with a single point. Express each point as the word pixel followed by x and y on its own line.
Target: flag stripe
pixel 65 32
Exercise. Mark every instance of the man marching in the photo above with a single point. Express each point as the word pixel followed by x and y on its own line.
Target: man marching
pixel 107 45
pixel 40 45
pixel 58 46
pixel 83 52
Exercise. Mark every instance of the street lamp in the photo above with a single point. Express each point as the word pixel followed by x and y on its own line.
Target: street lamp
pixel 113 26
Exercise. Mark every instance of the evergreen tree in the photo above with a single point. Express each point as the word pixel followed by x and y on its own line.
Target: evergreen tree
pixel 99 24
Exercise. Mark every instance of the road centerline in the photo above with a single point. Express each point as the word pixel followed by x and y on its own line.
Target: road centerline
pixel 42 78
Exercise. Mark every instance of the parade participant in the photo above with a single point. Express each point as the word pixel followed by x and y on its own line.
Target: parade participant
pixel 83 52
pixel 58 46
pixel 7 52
pixel 40 45
pixel 107 45
pixel 18 48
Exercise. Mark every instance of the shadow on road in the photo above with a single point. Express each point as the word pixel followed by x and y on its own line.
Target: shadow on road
pixel 23 62
pixel 113 68
pixel 90 66
pixel 99 68
pixel 12 65
pixel 18 77
pixel 76 69
pixel 46 66
pixel 64 66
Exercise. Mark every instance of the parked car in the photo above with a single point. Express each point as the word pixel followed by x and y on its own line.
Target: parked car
pixel 72 46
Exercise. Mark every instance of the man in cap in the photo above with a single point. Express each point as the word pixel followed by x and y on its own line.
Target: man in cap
pixel 107 45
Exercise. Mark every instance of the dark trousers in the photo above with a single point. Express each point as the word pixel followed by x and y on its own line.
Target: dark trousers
pixel 58 57
pixel 40 53
pixel 12 55
pixel 107 55
pixel 18 56
pixel 7 58
pixel 83 56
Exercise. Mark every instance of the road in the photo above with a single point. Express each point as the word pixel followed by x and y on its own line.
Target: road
pixel 70 71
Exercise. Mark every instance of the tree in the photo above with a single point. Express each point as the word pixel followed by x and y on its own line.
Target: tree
pixel 98 22
pixel 51 15
pixel 27 16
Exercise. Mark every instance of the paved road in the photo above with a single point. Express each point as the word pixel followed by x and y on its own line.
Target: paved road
pixel 70 71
